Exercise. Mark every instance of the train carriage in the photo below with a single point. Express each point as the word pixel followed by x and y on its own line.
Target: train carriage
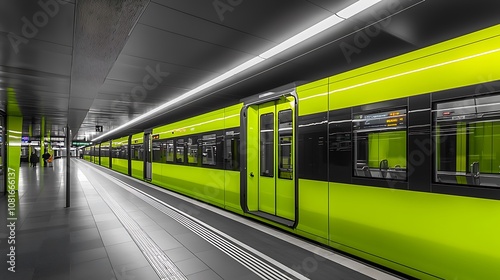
pixel 396 162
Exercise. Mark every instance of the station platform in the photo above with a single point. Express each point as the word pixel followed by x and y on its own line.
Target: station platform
pixel 121 228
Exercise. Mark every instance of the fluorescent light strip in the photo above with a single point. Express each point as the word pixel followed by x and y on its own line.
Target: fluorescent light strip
pixel 302 36
pixel 416 70
pixel 356 8
pixel 323 25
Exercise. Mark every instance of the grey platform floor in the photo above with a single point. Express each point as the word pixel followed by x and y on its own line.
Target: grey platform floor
pixel 88 241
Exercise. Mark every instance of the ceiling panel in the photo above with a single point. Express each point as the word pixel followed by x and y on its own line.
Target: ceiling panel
pixel 28 19
pixel 190 26
pixel 35 58
pixel 332 6
pixel 162 46
pixel 275 21
pixel 91 77
pixel 102 28
pixel 439 20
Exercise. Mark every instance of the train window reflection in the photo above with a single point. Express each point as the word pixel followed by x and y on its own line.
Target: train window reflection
pixel 380 144
pixel 267 145
pixel 467 139
pixel 285 151
pixel 192 150
pixel 170 150
pixel 232 150
pixel 209 149
pixel 179 151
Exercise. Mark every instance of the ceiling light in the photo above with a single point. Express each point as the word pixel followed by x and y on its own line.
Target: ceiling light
pixel 356 8
pixel 294 40
pixel 302 36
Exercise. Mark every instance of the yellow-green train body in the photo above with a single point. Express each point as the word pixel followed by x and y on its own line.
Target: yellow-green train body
pixel 396 162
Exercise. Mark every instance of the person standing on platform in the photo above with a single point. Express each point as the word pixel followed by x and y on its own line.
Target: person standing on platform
pixel 34 159
pixel 45 157
pixel 50 160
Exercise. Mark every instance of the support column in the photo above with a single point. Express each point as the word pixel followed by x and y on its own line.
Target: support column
pixel 30 135
pixel 14 133
pixel 49 144
pixel 42 141
pixel 68 166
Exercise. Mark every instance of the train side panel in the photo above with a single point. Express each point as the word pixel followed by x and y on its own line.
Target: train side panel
pixel 232 178
pixel 445 236
pixel 118 161
pixel 136 156
pixel 426 235
pixel 450 237
pixel 467 60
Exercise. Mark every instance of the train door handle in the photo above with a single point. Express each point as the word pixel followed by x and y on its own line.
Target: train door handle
pixel 251 174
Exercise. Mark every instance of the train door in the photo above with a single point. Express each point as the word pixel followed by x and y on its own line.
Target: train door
pixel 147 156
pixel 270 184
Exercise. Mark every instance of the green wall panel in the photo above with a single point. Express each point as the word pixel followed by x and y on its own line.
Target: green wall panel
pixel 13 133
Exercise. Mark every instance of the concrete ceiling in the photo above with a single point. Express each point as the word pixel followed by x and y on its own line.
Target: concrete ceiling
pixel 88 63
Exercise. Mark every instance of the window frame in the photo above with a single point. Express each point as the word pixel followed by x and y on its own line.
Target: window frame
pixel 396 172
pixel 463 179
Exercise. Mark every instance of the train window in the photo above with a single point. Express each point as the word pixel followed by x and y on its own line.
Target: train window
pixel 232 150
pixel 267 145
pixel 120 151
pixel 285 152
pixel 209 149
pixel 159 151
pixel 467 139
pixel 123 153
pixel 180 151
pixel 170 150
pixel 137 152
pixel 115 152
pixel 380 145
pixel 104 151
pixel 192 150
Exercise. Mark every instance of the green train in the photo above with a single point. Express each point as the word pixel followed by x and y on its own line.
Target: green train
pixel 397 162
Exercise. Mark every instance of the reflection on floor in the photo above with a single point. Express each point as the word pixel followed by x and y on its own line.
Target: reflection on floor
pixel 91 240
